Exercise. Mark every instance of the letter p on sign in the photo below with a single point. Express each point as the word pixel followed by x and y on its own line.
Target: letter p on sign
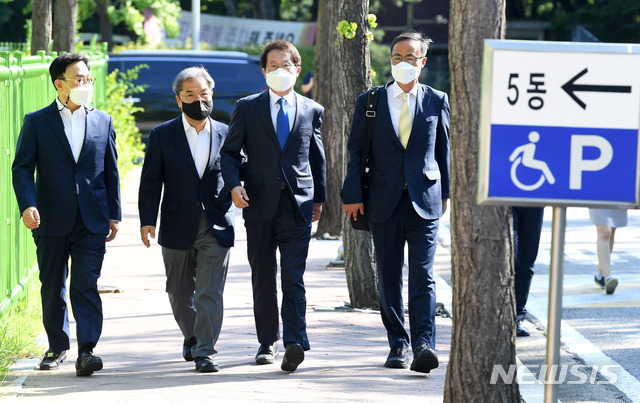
pixel 579 165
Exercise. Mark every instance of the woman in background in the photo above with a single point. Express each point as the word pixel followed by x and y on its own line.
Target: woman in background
pixel 606 222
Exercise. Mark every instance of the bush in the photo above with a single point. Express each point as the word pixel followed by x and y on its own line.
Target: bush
pixel 19 329
pixel 120 89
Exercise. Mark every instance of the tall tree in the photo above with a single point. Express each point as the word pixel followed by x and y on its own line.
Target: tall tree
pixel 41 23
pixel 329 94
pixel 355 78
pixel 106 28
pixel 64 25
pixel 484 318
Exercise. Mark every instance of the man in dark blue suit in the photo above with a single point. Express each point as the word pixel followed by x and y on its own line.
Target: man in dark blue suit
pixel 527 227
pixel 282 195
pixel 73 207
pixel 408 192
pixel 196 223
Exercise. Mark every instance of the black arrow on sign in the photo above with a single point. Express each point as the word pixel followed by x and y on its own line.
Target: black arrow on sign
pixel 570 87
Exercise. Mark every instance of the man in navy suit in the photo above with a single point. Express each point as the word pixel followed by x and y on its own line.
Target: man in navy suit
pixel 196 223
pixel 408 192
pixel 282 195
pixel 73 207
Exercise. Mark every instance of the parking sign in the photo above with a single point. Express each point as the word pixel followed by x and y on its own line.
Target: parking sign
pixel 559 124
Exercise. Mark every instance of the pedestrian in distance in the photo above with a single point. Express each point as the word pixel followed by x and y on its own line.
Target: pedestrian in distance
pixel 282 195
pixel 527 226
pixel 196 217
pixel 606 222
pixel 72 208
pixel 408 184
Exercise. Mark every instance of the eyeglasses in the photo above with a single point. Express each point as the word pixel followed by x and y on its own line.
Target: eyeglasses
pixel 192 97
pixel 286 65
pixel 80 81
pixel 409 59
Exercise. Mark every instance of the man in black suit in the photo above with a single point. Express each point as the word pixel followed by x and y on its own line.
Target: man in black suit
pixel 73 207
pixel 282 195
pixel 527 227
pixel 408 193
pixel 196 220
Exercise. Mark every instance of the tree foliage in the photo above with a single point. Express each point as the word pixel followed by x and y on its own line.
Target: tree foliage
pixel 131 13
pixel 609 20
pixel 119 87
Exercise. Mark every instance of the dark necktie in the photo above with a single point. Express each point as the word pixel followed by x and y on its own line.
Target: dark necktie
pixel 282 124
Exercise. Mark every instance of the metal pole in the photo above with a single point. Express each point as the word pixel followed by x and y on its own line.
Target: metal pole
pixel 556 272
pixel 195 23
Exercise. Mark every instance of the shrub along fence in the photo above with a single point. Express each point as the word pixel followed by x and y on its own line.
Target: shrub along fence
pixel 25 86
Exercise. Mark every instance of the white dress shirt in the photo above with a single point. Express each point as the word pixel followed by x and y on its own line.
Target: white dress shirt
pixel 74 127
pixel 289 106
pixel 199 144
pixel 396 103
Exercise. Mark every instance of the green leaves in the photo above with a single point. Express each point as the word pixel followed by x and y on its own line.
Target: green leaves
pixel 372 20
pixel 347 29
pixel 120 88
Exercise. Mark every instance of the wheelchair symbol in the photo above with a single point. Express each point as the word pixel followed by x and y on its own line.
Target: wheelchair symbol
pixel 524 155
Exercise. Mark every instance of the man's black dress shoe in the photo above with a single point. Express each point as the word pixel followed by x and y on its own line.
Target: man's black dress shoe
pixel 186 348
pixel 397 358
pixel 206 364
pixel 52 360
pixel 267 353
pixel 87 364
pixel 521 331
pixel 424 359
pixel 293 356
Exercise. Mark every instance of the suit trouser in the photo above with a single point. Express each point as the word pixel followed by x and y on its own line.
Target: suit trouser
pixel 195 284
pixel 290 233
pixel 86 250
pixel 527 225
pixel 389 238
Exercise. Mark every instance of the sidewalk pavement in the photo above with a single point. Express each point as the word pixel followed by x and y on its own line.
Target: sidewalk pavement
pixel 141 345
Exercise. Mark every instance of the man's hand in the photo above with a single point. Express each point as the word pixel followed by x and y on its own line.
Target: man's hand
pixel 317 212
pixel 352 210
pixel 113 230
pixel 145 231
pixel 239 197
pixel 31 217
pixel 444 205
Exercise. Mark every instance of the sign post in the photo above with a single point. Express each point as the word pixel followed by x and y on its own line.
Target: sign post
pixel 559 126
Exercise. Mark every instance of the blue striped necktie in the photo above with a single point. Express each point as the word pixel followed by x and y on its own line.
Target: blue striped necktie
pixel 282 124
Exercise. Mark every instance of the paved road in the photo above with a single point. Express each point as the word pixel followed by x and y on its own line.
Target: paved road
pixel 598 331
pixel 141 343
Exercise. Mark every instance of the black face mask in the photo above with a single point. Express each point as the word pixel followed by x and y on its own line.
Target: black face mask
pixel 198 110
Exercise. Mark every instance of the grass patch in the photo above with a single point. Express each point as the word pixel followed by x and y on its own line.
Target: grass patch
pixel 20 328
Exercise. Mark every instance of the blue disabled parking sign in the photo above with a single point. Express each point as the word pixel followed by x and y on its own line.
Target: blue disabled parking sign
pixel 559 125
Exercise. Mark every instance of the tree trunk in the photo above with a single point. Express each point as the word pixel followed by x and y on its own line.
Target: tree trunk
pixel 483 333
pixel 267 9
pixel 106 29
pixel 230 7
pixel 64 25
pixel 355 78
pixel 41 26
pixel 327 92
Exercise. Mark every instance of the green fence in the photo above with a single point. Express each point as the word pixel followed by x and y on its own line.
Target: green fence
pixel 25 86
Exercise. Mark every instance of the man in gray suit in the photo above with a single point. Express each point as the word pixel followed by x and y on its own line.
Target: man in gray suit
pixel 196 224
pixel 283 193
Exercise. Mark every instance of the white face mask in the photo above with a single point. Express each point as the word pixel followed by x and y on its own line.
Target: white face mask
pixel 81 95
pixel 404 73
pixel 281 80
